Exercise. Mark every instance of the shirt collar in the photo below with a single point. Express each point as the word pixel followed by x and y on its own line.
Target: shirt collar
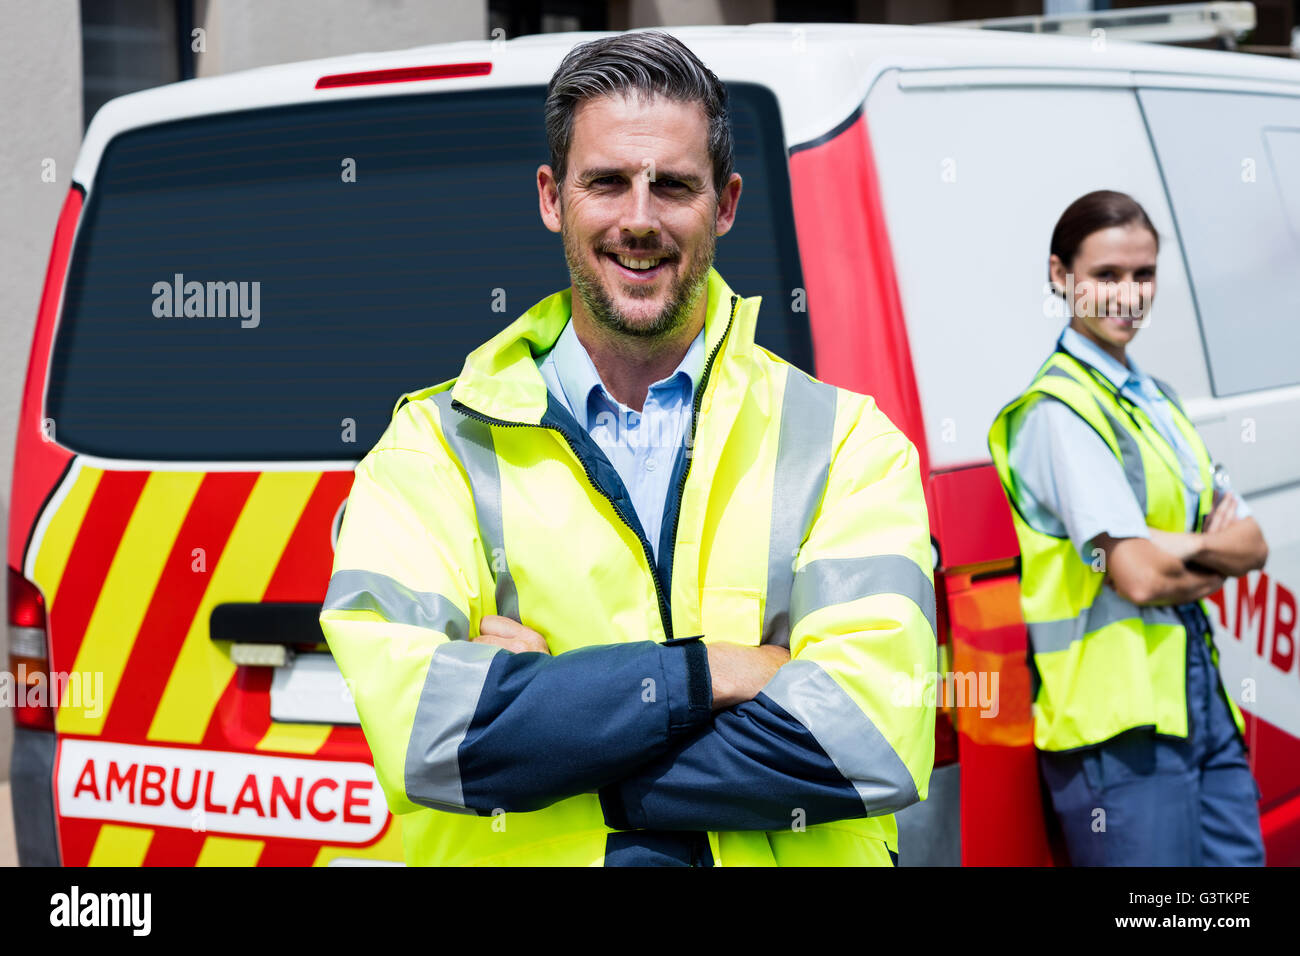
pixel 578 376
pixel 1088 351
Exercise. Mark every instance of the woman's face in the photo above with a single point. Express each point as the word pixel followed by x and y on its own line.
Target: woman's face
pixel 1112 281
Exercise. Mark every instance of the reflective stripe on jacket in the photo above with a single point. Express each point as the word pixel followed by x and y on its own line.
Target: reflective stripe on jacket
pixel 1104 665
pixel 798 519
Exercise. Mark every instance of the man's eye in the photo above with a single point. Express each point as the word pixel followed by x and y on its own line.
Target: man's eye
pixel 605 181
pixel 670 183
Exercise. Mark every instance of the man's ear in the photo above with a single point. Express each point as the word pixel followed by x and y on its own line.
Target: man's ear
pixel 548 197
pixel 728 201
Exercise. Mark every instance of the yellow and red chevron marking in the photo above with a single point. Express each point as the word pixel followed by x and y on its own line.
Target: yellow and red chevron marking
pixel 132 564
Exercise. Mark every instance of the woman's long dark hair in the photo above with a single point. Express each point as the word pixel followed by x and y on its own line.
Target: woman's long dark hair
pixel 1097 210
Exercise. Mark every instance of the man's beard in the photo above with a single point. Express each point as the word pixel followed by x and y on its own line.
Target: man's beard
pixel 682 296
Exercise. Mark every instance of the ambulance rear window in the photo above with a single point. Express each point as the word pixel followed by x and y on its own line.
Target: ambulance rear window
pixel 263 285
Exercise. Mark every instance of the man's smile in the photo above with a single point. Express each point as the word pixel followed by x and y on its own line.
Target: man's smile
pixel 639 267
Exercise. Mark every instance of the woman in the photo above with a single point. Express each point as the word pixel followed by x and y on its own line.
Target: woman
pixel 1122 535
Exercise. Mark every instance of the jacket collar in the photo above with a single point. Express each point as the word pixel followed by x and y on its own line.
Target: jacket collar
pixel 583 390
pixel 500 378
pixel 1087 351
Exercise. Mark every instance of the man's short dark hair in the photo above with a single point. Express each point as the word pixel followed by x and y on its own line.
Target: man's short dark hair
pixel 648 62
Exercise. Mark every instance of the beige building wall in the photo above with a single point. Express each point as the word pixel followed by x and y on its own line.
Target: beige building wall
pixel 681 13
pixel 40 102
pixel 41 105
pixel 241 34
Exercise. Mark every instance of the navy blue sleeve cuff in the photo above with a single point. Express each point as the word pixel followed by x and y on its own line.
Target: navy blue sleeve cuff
pixel 750 768
pixel 613 808
pixel 545 728
pixel 688 670
pixel 687 711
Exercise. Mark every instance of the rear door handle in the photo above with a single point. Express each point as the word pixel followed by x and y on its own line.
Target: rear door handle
pixel 264 634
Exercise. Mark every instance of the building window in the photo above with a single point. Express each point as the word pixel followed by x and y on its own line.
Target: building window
pixel 129 45
pixel 521 17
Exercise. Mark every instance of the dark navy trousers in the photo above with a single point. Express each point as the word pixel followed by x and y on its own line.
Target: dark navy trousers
pixel 1145 800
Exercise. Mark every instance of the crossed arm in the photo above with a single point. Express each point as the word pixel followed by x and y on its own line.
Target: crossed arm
pixel 741 769
pixel 474 716
pixel 1174 568
pixel 737 672
pixel 1069 472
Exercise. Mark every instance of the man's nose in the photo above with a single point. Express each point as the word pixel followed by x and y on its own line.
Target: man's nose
pixel 640 217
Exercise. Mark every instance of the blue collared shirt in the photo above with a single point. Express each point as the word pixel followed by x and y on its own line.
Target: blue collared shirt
pixel 1069 482
pixel 642 446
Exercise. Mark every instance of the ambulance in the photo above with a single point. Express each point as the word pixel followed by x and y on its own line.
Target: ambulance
pixel 249 269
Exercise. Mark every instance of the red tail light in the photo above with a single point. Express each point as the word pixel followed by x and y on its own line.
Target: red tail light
pixel 29 660
pixel 407 74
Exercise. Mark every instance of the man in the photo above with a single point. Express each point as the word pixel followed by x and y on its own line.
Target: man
pixel 631 589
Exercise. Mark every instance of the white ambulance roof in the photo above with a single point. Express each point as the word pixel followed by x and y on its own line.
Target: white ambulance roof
pixel 820 73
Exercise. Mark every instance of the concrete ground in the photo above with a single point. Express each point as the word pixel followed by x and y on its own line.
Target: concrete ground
pixel 8 848
pixel 7 714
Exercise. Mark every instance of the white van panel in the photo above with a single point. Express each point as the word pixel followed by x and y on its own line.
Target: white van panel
pixel 1236 195
pixel 973 182
pixel 1257 638
pixel 1225 160
pixel 1260 437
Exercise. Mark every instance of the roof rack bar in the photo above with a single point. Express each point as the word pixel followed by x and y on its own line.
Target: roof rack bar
pixel 1168 23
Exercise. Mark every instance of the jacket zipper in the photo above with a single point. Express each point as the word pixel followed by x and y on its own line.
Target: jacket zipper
pixel 695 416
pixel 665 615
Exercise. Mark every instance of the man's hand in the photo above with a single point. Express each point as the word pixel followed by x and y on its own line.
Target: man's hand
pixel 513 636
pixel 739 672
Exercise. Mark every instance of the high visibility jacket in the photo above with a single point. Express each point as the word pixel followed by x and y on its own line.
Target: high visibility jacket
pixel 1104 665
pixel 796 518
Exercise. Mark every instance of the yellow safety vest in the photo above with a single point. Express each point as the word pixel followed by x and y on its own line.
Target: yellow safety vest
pixel 1104 664
pixel 800 521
